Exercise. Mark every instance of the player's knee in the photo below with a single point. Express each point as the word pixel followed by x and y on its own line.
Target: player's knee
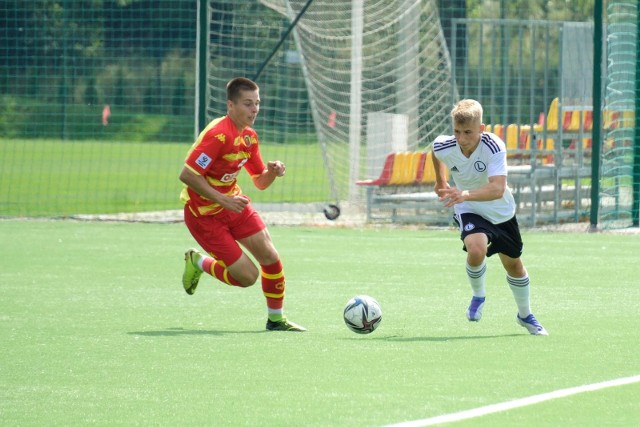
pixel 517 270
pixel 476 253
pixel 244 272
pixel 268 257
pixel 476 246
pixel 244 277
pixel 247 280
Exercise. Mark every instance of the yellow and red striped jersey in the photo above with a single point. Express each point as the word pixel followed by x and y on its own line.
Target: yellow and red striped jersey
pixel 219 154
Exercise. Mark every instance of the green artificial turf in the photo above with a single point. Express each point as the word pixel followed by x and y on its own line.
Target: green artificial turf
pixel 97 330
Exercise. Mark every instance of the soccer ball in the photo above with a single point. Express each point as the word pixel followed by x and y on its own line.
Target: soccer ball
pixel 362 314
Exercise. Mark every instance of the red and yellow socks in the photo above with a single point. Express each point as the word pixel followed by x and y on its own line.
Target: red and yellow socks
pixel 218 270
pixel 273 286
pixel 272 278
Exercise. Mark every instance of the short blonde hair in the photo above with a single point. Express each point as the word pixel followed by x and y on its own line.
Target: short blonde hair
pixel 467 111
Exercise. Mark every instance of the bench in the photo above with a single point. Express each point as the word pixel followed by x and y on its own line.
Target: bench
pixel 404 191
pixel 562 136
pixel 549 163
pixel 405 188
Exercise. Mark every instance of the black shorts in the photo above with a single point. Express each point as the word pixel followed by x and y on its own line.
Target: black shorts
pixel 503 238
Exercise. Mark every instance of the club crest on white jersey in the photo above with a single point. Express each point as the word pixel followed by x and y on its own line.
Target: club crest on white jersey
pixel 480 166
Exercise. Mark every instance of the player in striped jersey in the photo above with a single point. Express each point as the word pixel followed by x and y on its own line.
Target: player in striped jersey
pixel 484 207
pixel 220 217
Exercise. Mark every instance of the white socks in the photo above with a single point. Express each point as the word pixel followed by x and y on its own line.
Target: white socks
pixel 520 289
pixel 476 278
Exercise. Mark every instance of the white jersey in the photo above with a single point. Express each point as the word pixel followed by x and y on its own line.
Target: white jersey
pixel 488 159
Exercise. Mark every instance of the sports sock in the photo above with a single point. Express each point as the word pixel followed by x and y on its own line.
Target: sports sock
pixel 476 276
pixel 217 269
pixel 273 285
pixel 275 315
pixel 520 289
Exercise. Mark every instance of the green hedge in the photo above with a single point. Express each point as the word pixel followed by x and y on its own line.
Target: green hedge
pixel 29 118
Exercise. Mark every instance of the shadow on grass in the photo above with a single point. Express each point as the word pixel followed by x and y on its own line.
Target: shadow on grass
pixel 443 339
pixel 174 332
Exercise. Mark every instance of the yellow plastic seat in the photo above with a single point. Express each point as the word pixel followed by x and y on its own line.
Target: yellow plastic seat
pixel 401 173
pixel 499 131
pixel 551 119
pixel 628 119
pixel 429 173
pixel 574 123
pixel 512 138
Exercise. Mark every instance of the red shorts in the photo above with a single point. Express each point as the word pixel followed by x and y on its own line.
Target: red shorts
pixel 218 234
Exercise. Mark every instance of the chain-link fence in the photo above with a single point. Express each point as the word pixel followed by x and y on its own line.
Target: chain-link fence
pixel 97 99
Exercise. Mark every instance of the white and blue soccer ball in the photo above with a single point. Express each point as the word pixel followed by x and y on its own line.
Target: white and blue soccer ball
pixel 362 314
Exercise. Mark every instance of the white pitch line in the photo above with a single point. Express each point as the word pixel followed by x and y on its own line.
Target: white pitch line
pixel 518 403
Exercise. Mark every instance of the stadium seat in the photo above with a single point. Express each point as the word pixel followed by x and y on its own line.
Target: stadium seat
pixel 417 161
pixel 628 119
pixel 551 119
pixel 429 173
pixel 611 119
pixel 618 119
pixel 573 125
pixel 421 166
pixel 405 168
pixel 499 131
pixel 525 137
pixel 588 121
pixel 512 141
pixel 400 173
pixel 385 174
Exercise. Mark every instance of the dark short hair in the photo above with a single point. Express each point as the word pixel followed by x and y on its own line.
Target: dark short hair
pixel 239 84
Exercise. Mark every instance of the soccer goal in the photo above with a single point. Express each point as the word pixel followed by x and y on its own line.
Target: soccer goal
pixel 349 83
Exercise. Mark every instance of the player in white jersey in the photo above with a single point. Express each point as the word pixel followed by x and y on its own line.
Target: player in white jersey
pixel 484 207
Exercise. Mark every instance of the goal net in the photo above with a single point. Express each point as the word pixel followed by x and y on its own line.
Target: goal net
pixel 616 197
pixel 351 82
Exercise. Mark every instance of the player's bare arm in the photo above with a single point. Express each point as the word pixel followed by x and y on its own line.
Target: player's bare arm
pixel 441 175
pixel 275 169
pixel 199 184
pixel 492 190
